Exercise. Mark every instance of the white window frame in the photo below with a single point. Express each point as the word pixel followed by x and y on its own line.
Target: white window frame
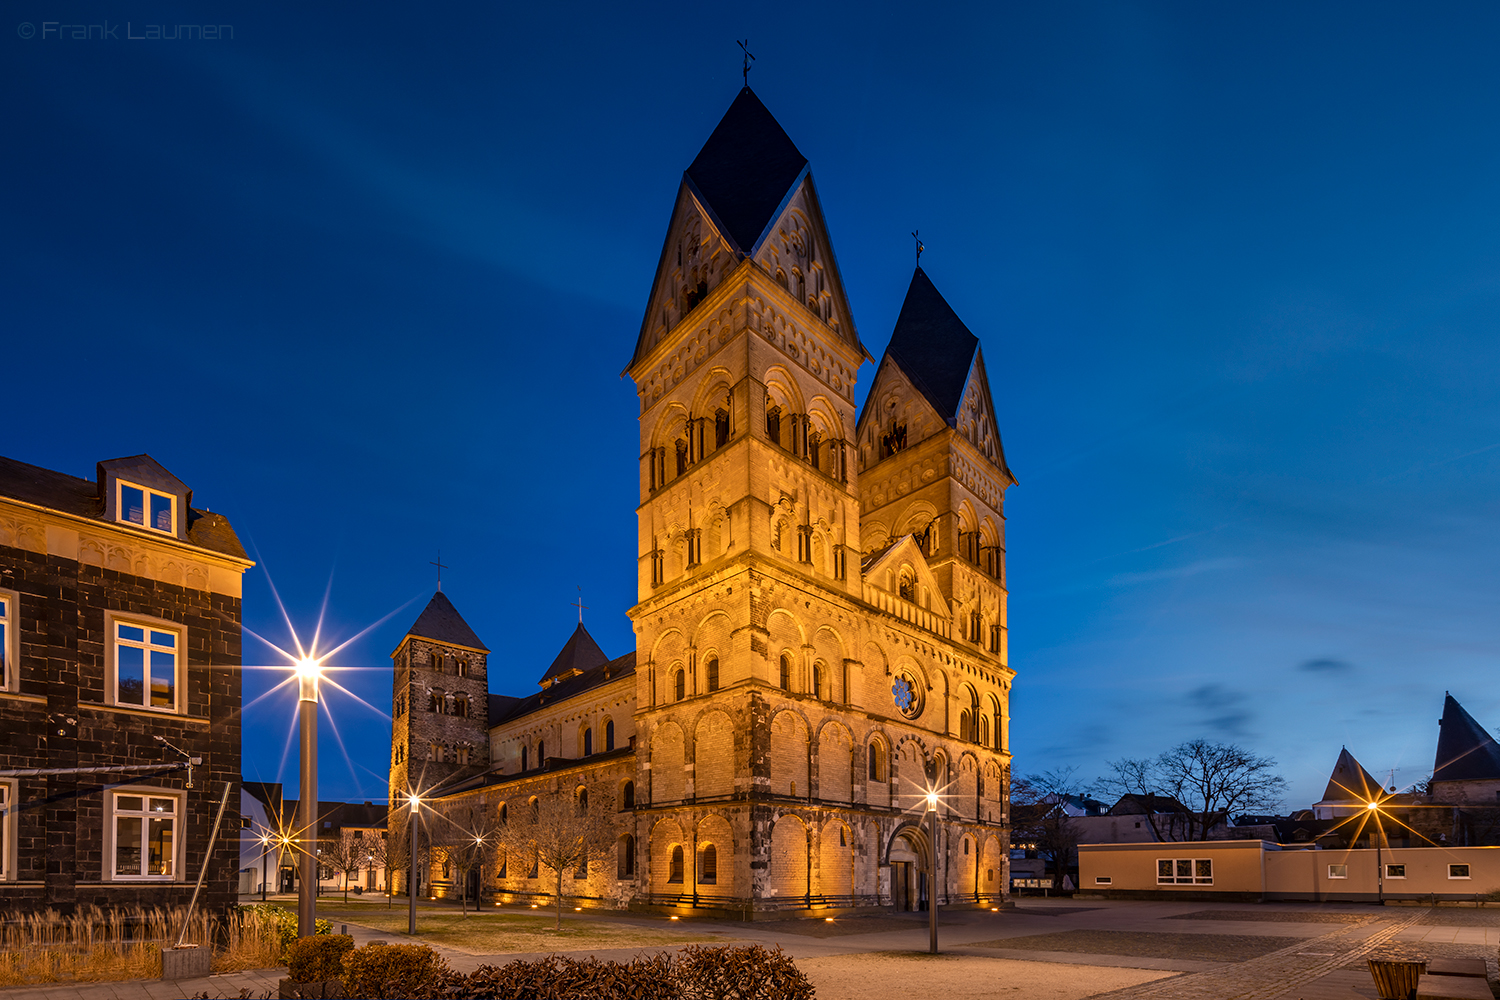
pixel 1191 877
pixel 1466 877
pixel 112 814
pixel 147 492
pixel 9 808
pixel 1400 865
pixel 1104 880
pixel 10 644
pixel 112 622
pixel 1338 871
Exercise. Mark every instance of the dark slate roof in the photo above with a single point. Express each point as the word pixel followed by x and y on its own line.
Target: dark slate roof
pixel 268 793
pixel 932 346
pixel 746 169
pixel 441 622
pixel 1465 752
pixel 1350 782
pixel 580 652
pixel 80 497
pixel 1140 805
pixel 622 666
pixel 500 706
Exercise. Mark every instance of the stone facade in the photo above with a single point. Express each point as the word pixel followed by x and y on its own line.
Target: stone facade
pixel 70 578
pixel 812 655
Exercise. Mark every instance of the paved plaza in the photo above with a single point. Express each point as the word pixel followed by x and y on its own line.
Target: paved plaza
pixel 1046 949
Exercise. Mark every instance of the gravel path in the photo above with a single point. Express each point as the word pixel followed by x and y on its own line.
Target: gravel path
pixel 885 976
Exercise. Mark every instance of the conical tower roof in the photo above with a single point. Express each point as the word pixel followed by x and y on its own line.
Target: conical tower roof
pixel 933 346
pixel 1350 782
pixel 1465 752
pixel 579 653
pixel 441 622
pixel 746 170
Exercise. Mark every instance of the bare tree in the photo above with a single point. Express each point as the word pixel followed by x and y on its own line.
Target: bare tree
pixel 561 832
pixel 466 837
pixel 1207 783
pixel 1039 812
pixel 398 848
pixel 340 854
pixel 372 853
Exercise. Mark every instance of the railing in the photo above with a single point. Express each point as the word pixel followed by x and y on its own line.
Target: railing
pixel 902 608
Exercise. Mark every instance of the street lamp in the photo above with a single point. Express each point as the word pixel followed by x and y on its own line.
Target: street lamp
pixel 1374 808
pixel 265 849
pixel 932 803
pixel 308 672
pixel 413 831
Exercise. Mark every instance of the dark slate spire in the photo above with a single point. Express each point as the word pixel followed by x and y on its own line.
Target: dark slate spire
pixel 1350 782
pixel 746 170
pixel 579 654
pixel 441 622
pixel 1465 752
pixel 933 347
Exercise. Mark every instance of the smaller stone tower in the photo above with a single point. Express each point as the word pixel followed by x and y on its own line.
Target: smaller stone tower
pixel 440 703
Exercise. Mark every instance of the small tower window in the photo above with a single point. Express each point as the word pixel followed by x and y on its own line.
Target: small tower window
pixel 437 662
pixel 461 705
pixel 786 672
pixel 773 424
pixel 713 673
pixel 679 685
pixel 781 277
pixel 461 667
pixel 721 428
pixel 682 456
pixel 818 680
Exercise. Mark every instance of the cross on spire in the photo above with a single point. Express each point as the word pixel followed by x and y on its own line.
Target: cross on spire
pixel 920 247
pixel 580 605
pixel 748 58
pixel 440 566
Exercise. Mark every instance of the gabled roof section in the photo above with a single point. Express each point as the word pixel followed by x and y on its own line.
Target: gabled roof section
pixel 905 550
pixel 745 171
pixel 579 654
pixel 441 622
pixel 1350 782
pixel 1465 752
pixel 933 346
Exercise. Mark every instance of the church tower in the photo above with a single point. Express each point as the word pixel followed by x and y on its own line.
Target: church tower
pixel 439 703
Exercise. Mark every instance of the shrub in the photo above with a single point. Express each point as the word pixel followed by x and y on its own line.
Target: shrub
pixel 749 973
pixel 315 959
pixel 282 922
pixel 382 971
pixel 558 978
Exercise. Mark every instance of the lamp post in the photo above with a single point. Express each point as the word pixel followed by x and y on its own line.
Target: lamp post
pixel 265 849
pixel 932 868
pixel 307 707
pixel 414 830
pixel 1374 808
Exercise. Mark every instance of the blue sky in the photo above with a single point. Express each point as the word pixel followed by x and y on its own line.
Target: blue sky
pixel 366 278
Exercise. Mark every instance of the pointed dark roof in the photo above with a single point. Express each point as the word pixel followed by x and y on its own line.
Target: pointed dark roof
pixel 745 170
pixel 579 654
pixel 1350 782
pixel 1465 752
pixel 933 347
pixel 441 622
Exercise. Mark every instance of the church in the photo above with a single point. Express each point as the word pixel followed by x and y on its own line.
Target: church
pixel 820 636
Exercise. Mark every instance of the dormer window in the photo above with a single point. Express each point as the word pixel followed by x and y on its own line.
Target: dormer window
pixel 146 507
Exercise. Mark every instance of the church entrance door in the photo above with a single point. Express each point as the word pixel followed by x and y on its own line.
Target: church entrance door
pixel 900 885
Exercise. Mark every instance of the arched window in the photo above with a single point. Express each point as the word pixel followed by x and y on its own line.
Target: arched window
pixel 908 586
pixel 583 801
pixel 626 865
pixel 541 753
pixel 588 742
pixel 713 673
pixel 877 762
pixel 708 865
pixel 682 459
pixel 984 730
pixel 504 815
pixel 461 705
pixel 818 679
pixel 679 685
pixel 781 277
pixel 461 667
pixel 434 701
pixel 627 795
pixel 965 726
pixel 814 444
pixel 535 806
pixel 437 662
pixel 801 282
pixel 773 424
pixel 786 672
pixel 675 872
pixel 609 735
pixel 721 428
pixel 523 758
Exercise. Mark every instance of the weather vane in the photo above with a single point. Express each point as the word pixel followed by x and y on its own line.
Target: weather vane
pixel 920 247
pixel 440 566
pixel 580 605
pixel 748 59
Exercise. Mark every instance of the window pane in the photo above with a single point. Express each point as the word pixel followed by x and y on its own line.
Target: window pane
pixel 132 633
pixel 1395 871
pixel 1458 871
pixel 132 802
pixel 132 674
pixel 161 512
pixel 166 806
pixel 1184 869
pixel 164 639
pixel 1203 868
pixel 132 505
pixel 128 844
pixel 4 647
pixel 1164 869
pixel 163 679
pixel 159 847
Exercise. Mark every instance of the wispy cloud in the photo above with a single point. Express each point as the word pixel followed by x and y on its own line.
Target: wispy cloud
pixel 1326 665
pixel 1176 572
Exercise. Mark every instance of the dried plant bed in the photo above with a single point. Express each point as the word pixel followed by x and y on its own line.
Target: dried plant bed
pixel 511 933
